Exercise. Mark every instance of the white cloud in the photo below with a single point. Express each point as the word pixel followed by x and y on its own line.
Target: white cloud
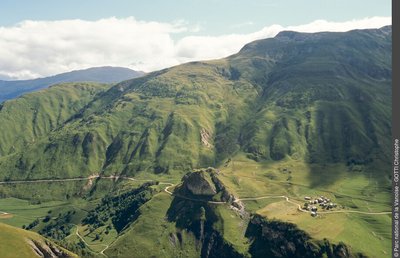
pixel 323 25
pixel 40 48
pixel 243 24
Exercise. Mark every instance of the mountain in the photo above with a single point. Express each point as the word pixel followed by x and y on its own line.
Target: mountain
pixel 28 244
pixel 323 98
pixel 13 89
pixel 298 115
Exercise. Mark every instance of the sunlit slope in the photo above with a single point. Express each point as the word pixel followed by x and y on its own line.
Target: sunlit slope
pixel 15 242
pixel 26 119
pixel 321 98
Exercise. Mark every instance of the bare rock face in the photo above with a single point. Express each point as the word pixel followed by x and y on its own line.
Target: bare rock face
pixel 47 250
pixel 206 138
pixel 199 183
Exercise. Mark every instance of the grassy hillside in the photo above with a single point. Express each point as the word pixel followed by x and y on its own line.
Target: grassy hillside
pixel 16 242
pixel 26 119
pixel 125 131
pixel 323 98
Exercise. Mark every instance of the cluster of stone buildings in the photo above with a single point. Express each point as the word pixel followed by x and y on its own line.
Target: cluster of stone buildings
pixel 323 202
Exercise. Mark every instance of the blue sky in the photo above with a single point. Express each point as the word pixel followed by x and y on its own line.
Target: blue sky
pixel 214 16
pixel 45 37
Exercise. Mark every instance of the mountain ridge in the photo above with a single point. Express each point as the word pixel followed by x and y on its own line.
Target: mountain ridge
pixel 104 74
pixel 284 89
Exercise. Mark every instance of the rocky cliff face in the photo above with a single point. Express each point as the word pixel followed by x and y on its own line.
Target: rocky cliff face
pixel 47 250
pixel 228 197
pixel 194 209
pixel 280 239
pixel 199 183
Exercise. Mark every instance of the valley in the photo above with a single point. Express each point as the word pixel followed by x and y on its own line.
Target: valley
pixel 261 198
pixel 212 158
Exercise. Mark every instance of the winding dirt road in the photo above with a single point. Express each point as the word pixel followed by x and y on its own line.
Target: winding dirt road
pixel 302 210
pixel 166 189
pixel 88 245
pixel 169 185
pixel 272 196
pixel 72 179
pixel 360 212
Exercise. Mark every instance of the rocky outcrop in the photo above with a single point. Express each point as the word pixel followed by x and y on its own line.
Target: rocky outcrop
pixel 227 197
pixel 204 184
pixel 200 218
pixel 215 246
pixel 47 250
pixel 205 138
pixel 272 238
pixel 192 210
pixel 199 183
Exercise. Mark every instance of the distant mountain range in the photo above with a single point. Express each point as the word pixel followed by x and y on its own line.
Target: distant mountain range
pixel 106 74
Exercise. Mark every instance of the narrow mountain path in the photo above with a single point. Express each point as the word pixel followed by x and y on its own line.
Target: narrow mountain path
pixel 72 179
pixel 102 251
pixel 303 210
pixel 45 180
pixel 88 245
pixel 79 179
pixel 75 179
pixel 166 189
pixel 272 196
pixel 360 212
pixel 169 185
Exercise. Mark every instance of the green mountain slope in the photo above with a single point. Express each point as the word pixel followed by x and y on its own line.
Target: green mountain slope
pixel 15 242
pixel 28 118
pixel 322 98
